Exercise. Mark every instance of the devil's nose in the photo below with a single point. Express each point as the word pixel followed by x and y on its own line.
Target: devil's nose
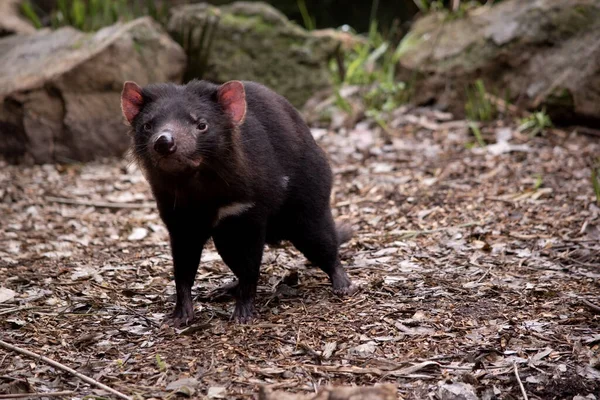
pixel 165 144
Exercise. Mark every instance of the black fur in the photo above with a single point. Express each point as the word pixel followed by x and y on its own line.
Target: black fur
pixel 270 162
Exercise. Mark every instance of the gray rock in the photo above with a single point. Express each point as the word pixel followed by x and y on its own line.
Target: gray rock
pixel 60 90
pixel 541 53
pixel 254 41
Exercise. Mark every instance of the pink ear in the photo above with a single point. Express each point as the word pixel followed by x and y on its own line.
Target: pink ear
pixel 131 100
pixel 232 98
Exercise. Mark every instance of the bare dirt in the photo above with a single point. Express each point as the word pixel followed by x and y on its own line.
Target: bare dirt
pixel 471 262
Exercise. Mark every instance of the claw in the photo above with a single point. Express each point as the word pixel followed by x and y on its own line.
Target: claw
pixel 182 315
pixel 243 313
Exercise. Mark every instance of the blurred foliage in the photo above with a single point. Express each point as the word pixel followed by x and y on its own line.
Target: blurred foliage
pixel 91 15
pixel 457 8
pixel 474 129
pixel 28 11
pixel 309 21
pixel 336 13
pixel 536 123
pixel 372 64
pixel 310 13
pixel 596 180
pixel 478 106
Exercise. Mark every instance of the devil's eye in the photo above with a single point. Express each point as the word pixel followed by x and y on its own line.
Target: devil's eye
pixel 202 126
pixel 147 126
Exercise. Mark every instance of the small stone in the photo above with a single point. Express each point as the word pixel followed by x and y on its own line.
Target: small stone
pixel 6 294
pixel 216 392
pixel 185 386
pixel 457 391
pixel 364 350
pixel 138 234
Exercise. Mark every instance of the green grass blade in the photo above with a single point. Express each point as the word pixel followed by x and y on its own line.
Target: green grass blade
pixel 30 14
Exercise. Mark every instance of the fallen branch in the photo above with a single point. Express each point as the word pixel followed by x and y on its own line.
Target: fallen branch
pixel 591 306
pixel 30 395
pixel 98 204
pixel 519 380
pixel 584 130
pixel 60 366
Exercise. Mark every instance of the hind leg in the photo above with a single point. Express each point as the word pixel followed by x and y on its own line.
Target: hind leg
pixel 316 238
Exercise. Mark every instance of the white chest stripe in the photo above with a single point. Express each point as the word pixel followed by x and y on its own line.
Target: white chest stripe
pixel 232 209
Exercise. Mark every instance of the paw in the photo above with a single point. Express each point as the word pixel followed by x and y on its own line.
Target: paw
pixel 342 286
pixel 244 313
pixel 346 290
pixel 182 315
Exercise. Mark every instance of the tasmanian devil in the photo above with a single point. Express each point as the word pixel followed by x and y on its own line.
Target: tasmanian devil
pixel 237 163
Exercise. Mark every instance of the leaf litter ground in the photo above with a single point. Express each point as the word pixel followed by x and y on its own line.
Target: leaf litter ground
pixel 471 262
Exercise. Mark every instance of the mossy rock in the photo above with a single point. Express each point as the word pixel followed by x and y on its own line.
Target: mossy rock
pixel 254 41
pixel 530 50
pixel 60 90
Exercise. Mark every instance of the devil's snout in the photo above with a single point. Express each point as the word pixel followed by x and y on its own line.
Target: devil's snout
pixel 165 144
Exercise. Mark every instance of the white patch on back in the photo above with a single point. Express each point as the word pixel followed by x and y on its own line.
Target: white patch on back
pixel 284 181
pixel 232 209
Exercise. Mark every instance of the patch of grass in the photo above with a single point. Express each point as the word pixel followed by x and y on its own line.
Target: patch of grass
pixel 596 180
pixel 386 96
pixel 539 181
pixel 162 366
pixel 28 11
pixel 426 6
pixel 91 15
pixel 474 128
pixel 456 8
pixel 478 106
pixel 342 103
pixel 536 123
pixel 309 21
pixel 373 64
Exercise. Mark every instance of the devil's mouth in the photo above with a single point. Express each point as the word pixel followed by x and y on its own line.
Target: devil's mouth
pixel 174 163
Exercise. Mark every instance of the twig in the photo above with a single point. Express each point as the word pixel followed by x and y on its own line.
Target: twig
pixel 60 366
pixel 98 204
pixel 346 369
pixel 15 309
pixel 307 349
pixel 519 380
pixel 339 59
pixel 584 130
pixel 485 274
pixel 412 234
pixel 135 312
pixel 28 395
pixel 591 306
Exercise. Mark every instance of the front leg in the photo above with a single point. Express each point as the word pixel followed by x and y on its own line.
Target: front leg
pixel 187 241
pixel 240 242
